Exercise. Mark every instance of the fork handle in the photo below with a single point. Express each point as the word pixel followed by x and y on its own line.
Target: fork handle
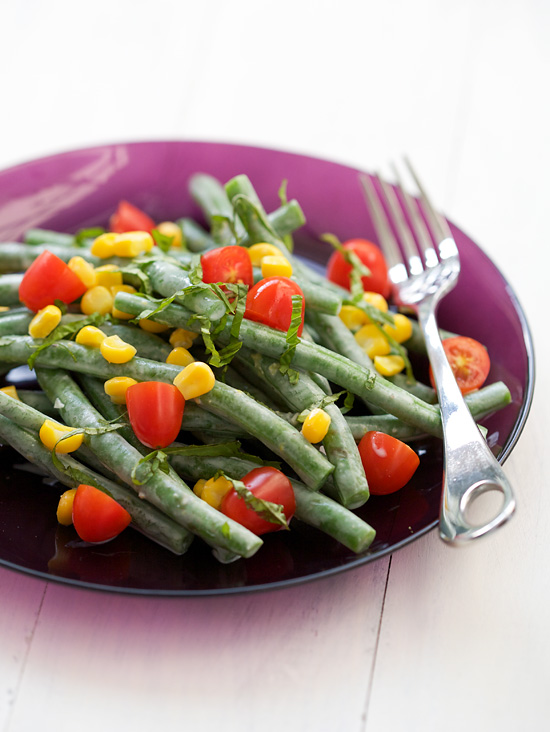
pixel 470 468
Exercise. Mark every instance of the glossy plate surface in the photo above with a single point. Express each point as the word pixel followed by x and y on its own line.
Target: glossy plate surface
pixel 81 188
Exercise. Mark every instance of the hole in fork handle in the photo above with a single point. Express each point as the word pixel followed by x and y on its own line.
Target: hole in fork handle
pixel 485 506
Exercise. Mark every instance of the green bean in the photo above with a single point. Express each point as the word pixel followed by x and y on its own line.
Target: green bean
pixel 312 508
pixel 47 237
pixel 234 379
pixel 363 382
pixel 150 521
pixel 168 279
pixel 210 196
pixel 9 289
pixel 195 238
pixel 15 323
pixel 349 475
pixel 482 402
pixel 233 405
pixel 271 430
pixel 166 491
pixel 39 401
pixel 284 220
pixel 16 257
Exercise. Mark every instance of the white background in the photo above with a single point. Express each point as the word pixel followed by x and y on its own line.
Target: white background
pixel 432 638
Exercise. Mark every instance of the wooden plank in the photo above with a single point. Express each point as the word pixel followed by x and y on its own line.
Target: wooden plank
pixel 22 597
pixel 465 638
pixel 298 658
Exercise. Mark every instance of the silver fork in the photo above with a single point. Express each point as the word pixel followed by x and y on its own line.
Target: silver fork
pixel 421 278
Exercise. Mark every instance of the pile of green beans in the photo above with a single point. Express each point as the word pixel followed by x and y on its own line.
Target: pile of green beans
pixel 252 400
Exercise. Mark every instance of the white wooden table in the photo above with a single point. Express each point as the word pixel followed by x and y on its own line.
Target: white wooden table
pixel 430 638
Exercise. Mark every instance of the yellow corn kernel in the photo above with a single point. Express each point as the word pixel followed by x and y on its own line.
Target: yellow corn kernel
pixel 352 317
pixel 389 365
pixel 182 337
pixel 117 387
pixel 180 356
pixel 115 350
pixel 108 275
pixel 65 507
pixel 151 327
pixel 213 491
pixel 276 267
pixel 51 432
pixel 115 312
pixel 103 246
pixel 90 336
pixel 258 251
pixel 315 426
pixel 401 330
pixel 45 321
pixel 372 341
pixel 199 486
pixel 169 228
pixel 10 391
pixel 83 270
pixel 377 300
pixel 195 380
pixel 132 243
pixel 97 299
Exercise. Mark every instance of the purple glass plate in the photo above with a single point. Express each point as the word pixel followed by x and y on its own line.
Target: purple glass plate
pixel 80 188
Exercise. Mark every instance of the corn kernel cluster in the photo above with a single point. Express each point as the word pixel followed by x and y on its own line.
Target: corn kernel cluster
pixel 373 339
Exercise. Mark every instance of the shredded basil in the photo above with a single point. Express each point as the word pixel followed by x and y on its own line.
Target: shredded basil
pixel 163 241
pixel 269 511
pixel 81 237
pixel 292 340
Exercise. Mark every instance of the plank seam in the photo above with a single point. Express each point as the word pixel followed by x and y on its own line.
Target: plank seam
pixel 24 664
pixel 376 645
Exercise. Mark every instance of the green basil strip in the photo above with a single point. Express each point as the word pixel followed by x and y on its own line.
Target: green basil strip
pixel 272 512
pixel 292 340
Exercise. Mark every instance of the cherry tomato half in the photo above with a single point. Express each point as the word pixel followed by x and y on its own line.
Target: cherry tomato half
pixel 338 270
pixel 268 484
pixel 227 264
pixel 128 217
pixel 469 361
pixel 155 411
pixel 49 279
pixel 96 516
pixel 389 464
pixel 270 302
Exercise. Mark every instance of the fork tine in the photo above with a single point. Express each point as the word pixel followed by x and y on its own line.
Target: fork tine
pixel 386 238
pixel 437 222
pixel 410 249
pixel 417 222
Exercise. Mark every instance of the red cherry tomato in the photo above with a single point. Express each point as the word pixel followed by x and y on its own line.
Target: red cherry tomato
pixel 338 270
pixel 469 361
pixel 268 484
pixel 96 516
pixel 128 217
pixel 270 302
pixel 389 463
pixel 49 279
pixel 227 264
pixel 155 410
